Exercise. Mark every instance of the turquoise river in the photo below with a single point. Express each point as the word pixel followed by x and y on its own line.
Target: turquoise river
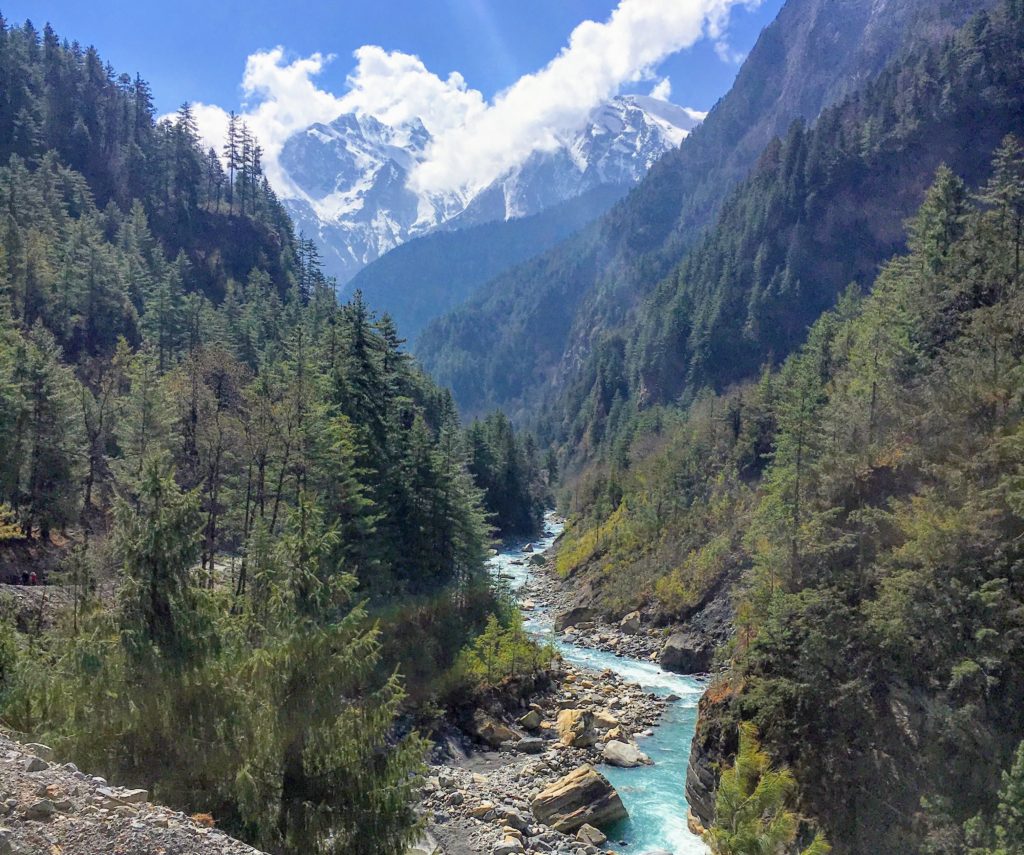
pixel 653 795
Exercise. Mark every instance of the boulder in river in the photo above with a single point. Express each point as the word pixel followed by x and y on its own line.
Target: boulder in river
pixel 687 652
pixel 583 797
pixel 624 755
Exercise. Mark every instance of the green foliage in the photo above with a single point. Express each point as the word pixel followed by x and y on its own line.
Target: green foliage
pixel 752 813
pixel 506 467
pixel 502 651
pixel 863 502
pixel 281 498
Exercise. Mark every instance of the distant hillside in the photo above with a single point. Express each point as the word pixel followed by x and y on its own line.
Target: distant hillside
pixel 542 319
pixel 431 275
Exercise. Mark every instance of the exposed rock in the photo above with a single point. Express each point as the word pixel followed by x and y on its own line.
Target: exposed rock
pixel 574 617
pixel 687 652
pixel 530 721
pixel 40 810
pixel 630 624
pixel 531 745
pixel 604 720
pixel 624 755
pixel 583 797
pixel 714 744
pixel 589 834
pixel 488 729
pixel 44 752
pixel 576 728
pixel 36 764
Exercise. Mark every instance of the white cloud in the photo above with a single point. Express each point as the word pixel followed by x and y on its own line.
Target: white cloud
pixel 536 109
pixel 474 140
pixel 729 56
pixel 396 87
pixel 662 90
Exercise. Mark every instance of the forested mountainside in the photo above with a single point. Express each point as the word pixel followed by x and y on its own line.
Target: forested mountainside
pixel 431 275
pixel 823 208
pixel 544 318
pixel 244 485
pixel 856 509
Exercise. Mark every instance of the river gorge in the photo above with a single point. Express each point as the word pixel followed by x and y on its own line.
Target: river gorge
pixel 652 794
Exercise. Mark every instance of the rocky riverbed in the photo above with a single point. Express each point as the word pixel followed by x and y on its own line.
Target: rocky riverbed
pixel 531 774
pixel 483 799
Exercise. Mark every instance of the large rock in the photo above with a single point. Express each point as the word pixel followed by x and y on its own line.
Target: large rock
pixel 583 797
pixel 531 721
pixel 624 755
pixel 630 624
pixel 576 728
pixel 589 834
pixel 488 729
pixel 687 652
pixel 574 617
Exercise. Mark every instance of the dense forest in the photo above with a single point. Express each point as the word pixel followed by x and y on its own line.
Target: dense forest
pixel 824 208
pixel 856 506
pixel 246 485
pixel 534 333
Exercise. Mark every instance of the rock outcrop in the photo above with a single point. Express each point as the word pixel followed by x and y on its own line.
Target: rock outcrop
pixel 583 797
pixel 688 652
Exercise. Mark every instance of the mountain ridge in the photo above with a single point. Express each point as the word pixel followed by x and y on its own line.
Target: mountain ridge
pixel 588 285
pixel 348 180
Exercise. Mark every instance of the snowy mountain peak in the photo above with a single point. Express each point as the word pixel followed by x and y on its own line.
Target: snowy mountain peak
pixel 349 178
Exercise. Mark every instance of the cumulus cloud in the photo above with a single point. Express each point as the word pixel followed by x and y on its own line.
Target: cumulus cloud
pixel 729 56
pixel 474 140
pixel 662 90
pixel 599 59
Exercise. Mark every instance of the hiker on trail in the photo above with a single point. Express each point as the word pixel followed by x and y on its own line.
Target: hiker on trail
pixel 33 579
pixel 24 577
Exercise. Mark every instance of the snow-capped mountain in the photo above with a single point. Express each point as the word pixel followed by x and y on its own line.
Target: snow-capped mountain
pixel 349 178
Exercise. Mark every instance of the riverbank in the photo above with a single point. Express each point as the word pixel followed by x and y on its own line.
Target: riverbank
pixel 628 709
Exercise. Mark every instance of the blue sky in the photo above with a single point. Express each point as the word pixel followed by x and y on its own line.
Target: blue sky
pixel 198 52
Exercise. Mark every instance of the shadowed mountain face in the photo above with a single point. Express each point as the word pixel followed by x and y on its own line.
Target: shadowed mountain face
pixel 543 319
pixel 350 177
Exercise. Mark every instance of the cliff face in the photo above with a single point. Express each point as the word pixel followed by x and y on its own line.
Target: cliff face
pixel 714 744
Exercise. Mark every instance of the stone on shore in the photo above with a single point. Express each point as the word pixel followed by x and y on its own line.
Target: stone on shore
pixel 583 797
pixel 591 835
pixel 630 624
pixel 576 728
pixel 530 721
pixel 687 652
pixel 488 729
pixel 574 617
pixel 624 755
